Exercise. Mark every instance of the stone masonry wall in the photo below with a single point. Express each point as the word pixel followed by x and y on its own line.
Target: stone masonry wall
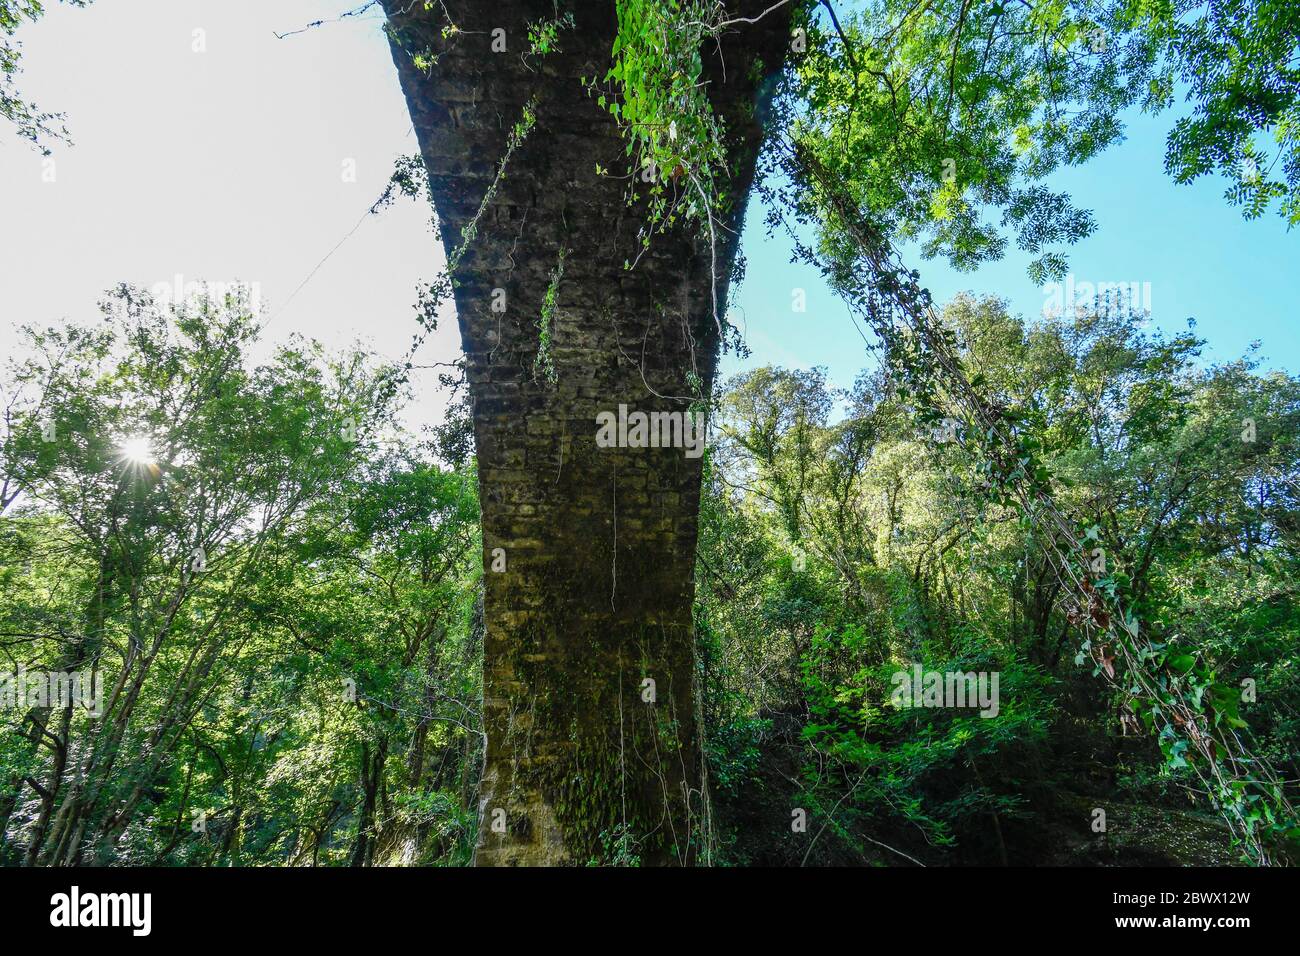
pixel 598 543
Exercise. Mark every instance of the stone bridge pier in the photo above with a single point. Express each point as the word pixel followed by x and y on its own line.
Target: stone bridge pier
pixel 593 738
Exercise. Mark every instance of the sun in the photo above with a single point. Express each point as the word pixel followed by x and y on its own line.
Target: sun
pixel 137 450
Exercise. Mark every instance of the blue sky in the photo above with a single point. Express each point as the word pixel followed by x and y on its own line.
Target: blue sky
pixel 1239 279
pixel 228 164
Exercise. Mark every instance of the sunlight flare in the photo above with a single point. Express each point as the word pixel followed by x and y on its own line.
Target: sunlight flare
pixel 137 450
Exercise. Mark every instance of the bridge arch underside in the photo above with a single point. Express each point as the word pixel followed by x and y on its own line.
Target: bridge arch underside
pixel 585 760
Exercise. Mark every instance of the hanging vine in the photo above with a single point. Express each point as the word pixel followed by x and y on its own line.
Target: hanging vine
pixel 411 180
pixel 1194 716
pixel 661 105
pixel 543 364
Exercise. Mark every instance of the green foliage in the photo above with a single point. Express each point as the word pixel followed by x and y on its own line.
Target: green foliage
pixel 311 696
pixel 280 586
pixel 1236 61
pixel 304 691
pixel 911 557
pixel 30 122
pixel 656 92
pixel 544 363
pixel 933 117
pixel 544 35
pixel 920 764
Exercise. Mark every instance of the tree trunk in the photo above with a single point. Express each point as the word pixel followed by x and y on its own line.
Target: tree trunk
pixel 593 748
pixel 372 782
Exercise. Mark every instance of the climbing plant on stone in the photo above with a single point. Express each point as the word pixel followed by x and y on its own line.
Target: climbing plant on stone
pixel 905 121
pixel 590 710
pixel 940 122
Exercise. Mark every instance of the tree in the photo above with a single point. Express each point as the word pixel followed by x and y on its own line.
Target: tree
pixel 900 560
pixel 30 122
pixel 164 469
pixel 195 528
pixel 897 121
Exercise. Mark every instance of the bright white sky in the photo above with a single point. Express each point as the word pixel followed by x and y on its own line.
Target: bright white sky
pixel 225 165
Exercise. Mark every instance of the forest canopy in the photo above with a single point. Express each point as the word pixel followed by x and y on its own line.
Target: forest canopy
pixel 306 692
